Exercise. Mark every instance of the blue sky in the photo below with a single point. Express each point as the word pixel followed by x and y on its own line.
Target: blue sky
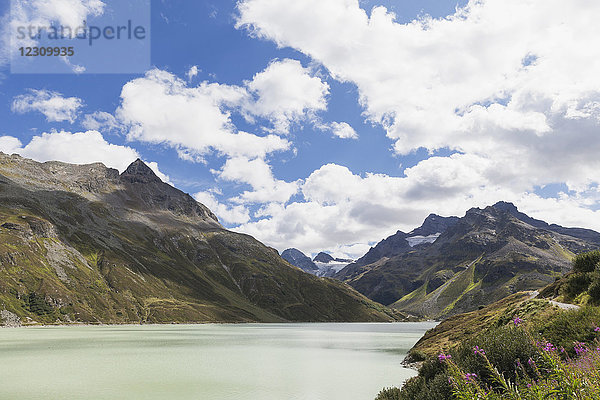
pixel 437 113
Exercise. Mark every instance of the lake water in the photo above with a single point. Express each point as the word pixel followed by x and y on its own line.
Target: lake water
pixel 206 362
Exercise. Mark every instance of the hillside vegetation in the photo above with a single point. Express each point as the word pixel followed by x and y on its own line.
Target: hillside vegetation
pixel 85 244
pixel 518 348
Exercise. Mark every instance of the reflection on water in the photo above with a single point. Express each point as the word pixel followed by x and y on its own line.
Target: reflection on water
pixel 208 362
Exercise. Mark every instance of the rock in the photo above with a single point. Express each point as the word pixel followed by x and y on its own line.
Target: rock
pixel 11 320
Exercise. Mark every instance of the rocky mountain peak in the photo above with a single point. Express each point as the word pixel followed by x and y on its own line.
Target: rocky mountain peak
pixel 506 206
pixel 299 259
pixel 139 172
pixel 323 257
pixel 434 224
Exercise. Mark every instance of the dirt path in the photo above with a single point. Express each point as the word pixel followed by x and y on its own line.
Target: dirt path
pixel 564 306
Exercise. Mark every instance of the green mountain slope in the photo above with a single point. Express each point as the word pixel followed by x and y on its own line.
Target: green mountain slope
pixel 85 244
pixel 483 257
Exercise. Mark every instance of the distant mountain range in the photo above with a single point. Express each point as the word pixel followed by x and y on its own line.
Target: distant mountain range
pixel 451 265
pixel 322 265
pixel 83 243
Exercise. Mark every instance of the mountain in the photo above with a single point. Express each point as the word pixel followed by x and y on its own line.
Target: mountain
pixel 400 243
pixel 83 243
pixel 327 258
pixel 323 257
pixel 480 258
pixel 300 260
pixel 329 266
pixel 323 265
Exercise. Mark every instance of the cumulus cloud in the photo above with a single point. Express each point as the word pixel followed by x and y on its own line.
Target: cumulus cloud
pixel 511 87
pixel 9 144
pixel 228 214
pixel 345 212
pixel 160 108
pixel 286 92
pixel 101 121
pixel 258 175
pixel 42 13
pixel 53 105
pixel 153 165
pixel 342 130
pixel 77 148
pixel 502 79
pixel 192 72
pixel 195 120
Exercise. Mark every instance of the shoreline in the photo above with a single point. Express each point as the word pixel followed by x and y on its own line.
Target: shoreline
pixel 87 324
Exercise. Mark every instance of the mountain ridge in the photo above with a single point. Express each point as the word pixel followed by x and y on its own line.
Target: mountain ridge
pixel 482 257
pixel 83 243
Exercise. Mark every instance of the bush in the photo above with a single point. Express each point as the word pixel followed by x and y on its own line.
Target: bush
pixel 586 262
pixel 431 384
pixel 389 394
pixel 505 347
pixel 416 356
pixel 575 379
pixel 37 304
pixel 594 290
pixel 577 283
pixel 419 388
pixel 567 327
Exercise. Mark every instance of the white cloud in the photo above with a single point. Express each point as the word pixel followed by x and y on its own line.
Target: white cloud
pixel 511 85
pixel 342 130
pixel 77 148
pixel 195 120
pixel 511 81
pixel 67 12
pixel 257 173
pixel 286 93
pixel 346 213
pixel 9 144
pixel 236 214
pixel 101 121
pixel 192 72
pixel 41 13
pixel 53 105
pixel 160 108
pixel 153 165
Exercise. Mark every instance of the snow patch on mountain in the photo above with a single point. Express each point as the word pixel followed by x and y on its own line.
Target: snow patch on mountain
pixel 416 240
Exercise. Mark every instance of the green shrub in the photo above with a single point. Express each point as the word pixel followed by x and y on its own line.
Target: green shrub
pixel 505 347
pixel 594 290
pixel 566 379
pixel 565 328
pixel 416 356
pixel 586 262
pixel 431 384
pixel 577 283
pixel 37 304
pixel 418 388
pixel 392 393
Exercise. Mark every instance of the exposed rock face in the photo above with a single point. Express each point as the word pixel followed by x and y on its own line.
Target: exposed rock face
pixel 323 257
pixel 9 319
pixel 300 260
pixel 400 242
pixel 83 243
pixel 482 257
pixel 434 224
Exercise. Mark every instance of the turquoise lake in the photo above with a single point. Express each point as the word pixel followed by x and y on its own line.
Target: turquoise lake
pixel 207 362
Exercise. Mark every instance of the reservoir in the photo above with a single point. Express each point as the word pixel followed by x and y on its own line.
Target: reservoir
pixel 332 361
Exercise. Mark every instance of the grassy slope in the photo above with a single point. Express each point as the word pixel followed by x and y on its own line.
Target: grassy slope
pixel 64 258
pixel 453 330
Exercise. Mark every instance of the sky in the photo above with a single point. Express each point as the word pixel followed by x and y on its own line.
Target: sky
pixel 324 125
